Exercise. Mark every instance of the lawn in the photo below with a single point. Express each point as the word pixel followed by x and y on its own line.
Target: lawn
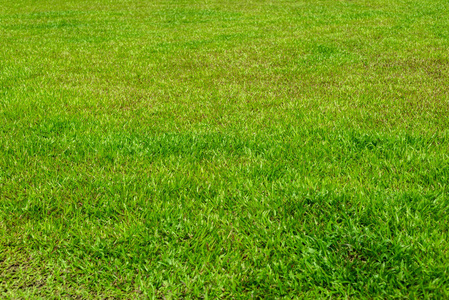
pixel 224 149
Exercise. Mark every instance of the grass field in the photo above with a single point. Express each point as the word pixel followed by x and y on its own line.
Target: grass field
pixel 224 149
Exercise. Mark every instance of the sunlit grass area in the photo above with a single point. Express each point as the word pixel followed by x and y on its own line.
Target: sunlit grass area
pixel 224 149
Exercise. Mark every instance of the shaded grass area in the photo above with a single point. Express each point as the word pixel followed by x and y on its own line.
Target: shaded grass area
pixel 224 149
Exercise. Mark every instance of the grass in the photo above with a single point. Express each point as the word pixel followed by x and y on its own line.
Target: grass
pixel 224 149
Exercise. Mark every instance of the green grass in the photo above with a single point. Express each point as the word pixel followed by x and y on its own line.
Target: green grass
pixel 224 149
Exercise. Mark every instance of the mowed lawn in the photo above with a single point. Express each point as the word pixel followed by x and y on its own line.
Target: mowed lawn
pixel 224 149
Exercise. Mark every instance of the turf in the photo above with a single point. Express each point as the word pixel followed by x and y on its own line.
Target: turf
pixel 224 149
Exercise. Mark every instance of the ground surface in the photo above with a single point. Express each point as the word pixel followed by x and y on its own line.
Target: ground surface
pixel 227 149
